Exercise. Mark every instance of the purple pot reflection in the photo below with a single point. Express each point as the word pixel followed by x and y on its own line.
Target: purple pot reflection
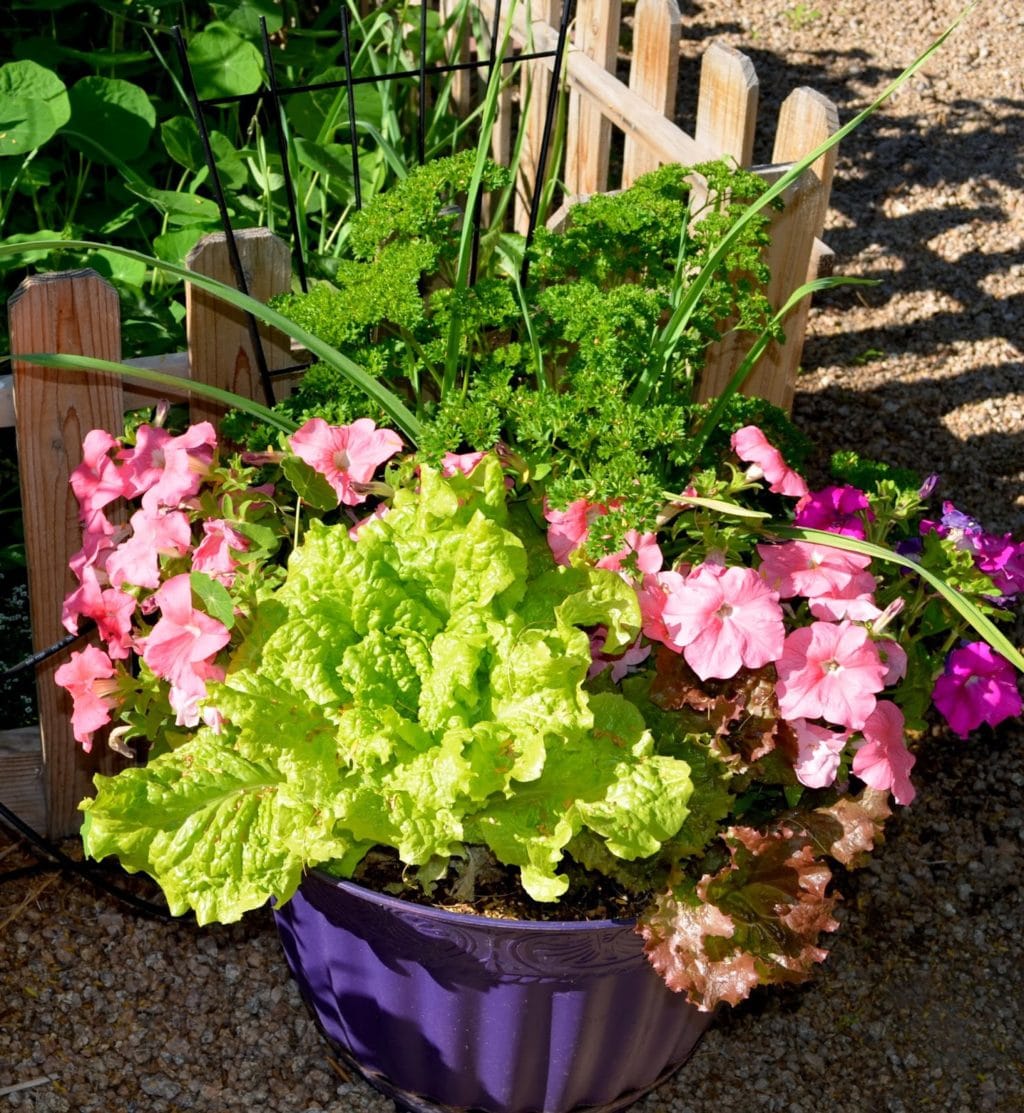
pixel 443 1010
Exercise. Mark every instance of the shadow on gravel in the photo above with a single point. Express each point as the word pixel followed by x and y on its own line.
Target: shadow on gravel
pixel 967 156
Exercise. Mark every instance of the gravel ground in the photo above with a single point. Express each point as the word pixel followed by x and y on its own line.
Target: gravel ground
pixel 919 1005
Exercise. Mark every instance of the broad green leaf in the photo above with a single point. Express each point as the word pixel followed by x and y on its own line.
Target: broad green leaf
pixel 181 208
pixel 320 115
pixel 125 272
pixel 110 118
pixel 175 245
pixel 33 106
pixel 215 598
pixel 309 484
pixel 223 63
pixel 243 16
pixel 180 137
pixel 27 254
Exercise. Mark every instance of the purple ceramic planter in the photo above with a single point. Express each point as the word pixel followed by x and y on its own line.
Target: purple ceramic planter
pixel 448 1011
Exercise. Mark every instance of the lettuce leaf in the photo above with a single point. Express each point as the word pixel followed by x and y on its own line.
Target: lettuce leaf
pixel 421 687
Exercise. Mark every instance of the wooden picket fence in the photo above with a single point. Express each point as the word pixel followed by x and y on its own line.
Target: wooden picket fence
pixel 44 774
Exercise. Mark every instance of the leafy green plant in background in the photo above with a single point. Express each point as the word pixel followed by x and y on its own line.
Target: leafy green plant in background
pixel 98 140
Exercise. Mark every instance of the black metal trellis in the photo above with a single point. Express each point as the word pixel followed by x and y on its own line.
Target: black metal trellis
pixel 274 95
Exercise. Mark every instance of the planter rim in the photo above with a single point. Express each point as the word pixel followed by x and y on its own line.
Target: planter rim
pixel 444 915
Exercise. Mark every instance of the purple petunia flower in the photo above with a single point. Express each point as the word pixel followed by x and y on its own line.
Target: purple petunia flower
pixel 978 686
pixel 836 509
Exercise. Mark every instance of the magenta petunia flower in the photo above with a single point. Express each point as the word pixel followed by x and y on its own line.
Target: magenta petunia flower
pixel 883 760
pixel 753 447
pixel 803 568
pixel 829 671
pixel 722 619
pixel 345 455
pixel 978 686
pixel 622 663
pixel 819 753
pixel 90 679
pixel 836 509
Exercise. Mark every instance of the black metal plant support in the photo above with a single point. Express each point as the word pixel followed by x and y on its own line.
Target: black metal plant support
pixel 274 95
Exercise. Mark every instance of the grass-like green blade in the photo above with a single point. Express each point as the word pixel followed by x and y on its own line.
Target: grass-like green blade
pixel 388 401
pixel 161 378
pixel 962 605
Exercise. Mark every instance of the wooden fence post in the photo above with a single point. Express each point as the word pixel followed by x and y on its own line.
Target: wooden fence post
pixel 76 313
pixel 653 74
pixel 219 346
pixel 727 103
pixel 588 134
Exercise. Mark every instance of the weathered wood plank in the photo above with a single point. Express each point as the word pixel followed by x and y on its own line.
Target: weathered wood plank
pixel 76 313
pixel 727 103
pixel 588 134
pixel 21 775
pixel 534 91
pixel 653 74
pixel 219 348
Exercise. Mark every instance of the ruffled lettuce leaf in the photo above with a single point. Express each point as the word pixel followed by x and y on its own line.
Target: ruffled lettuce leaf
pixel 422 687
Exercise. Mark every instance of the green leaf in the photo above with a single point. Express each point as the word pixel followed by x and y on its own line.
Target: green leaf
pixel 180 137
pixel 181 208
pixel 117 113
pixel 33 106
pixel 125 272
pixel 243 16
pixel 309 484
pixel 175 245
pixel 223 63
pixel 319 115
pixel 216 600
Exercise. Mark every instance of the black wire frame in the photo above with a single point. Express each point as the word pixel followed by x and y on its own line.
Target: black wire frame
pixel 276 94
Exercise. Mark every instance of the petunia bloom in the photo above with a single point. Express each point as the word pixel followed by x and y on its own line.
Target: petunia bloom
pixel 804 568
pixel 652 594
pixel 183 638
pixel 568 529
pixel 345 455
pixel 214 555
pixel 90 678
pixel 137 560
pixel 883 760
pixel 167 470
pixel 829 671
pixel 110 608
pixel 96 481
pixel 840 510
pixel 753 447
pixel 819 751
pixel 723 619
pixel 978 686
pixel 641 549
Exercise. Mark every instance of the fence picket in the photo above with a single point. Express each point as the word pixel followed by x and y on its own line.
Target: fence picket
pixel 727 103
pixel 653 74
pixel 76 313
pixel 219 346
pixel 589 132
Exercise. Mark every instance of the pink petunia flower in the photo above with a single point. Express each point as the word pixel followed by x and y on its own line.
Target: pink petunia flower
pixel 167 470
pixel 894 657
pixel 803 568
pixel 110 608
pixel 90 678
pixel 652 595
pixel 214 554
pixel 829 671
pixel 753 447
pixel 345 455
pixel 621 663
pixel 452 463
pixel 978 686
pixel 643 547
pixel 855 600
pixel 97 481
pixel 137 560
pixel 568 529
pixel 722 619
pixel 819 753
pixel 883 760
pixel 184 639
pixel 840 510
